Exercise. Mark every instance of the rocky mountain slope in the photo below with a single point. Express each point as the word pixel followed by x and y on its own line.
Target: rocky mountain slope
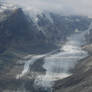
pixel 22 32
pixel 21 35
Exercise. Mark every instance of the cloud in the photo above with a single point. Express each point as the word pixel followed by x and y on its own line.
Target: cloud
pixel 82 7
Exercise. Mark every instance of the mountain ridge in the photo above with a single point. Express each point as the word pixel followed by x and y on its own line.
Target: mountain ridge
pixel 19 36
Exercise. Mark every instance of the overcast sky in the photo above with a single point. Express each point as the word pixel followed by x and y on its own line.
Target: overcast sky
pixel 83 7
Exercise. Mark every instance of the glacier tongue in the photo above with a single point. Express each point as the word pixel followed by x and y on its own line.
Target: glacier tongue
pixel 58 66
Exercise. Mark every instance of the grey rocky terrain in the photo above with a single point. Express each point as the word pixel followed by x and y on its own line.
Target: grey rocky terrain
pixel 21 36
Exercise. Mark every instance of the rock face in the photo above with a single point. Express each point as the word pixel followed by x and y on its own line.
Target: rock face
pixel 21 35
pixel 17 33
